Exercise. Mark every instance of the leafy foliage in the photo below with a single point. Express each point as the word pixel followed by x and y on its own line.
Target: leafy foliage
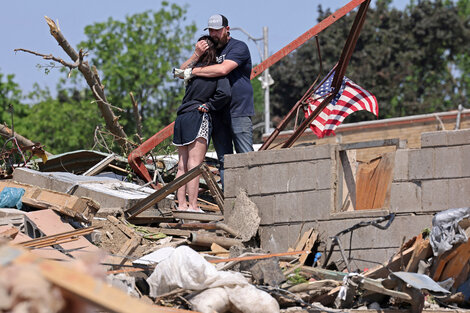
pixel 63 124
pixel 137 55
pixel 10 99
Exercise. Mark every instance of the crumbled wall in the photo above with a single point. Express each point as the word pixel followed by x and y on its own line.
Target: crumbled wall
pixel 295 189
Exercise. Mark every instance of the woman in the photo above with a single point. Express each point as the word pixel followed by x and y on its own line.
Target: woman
pixel 193 124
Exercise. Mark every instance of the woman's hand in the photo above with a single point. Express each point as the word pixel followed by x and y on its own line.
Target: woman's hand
pixel 203 108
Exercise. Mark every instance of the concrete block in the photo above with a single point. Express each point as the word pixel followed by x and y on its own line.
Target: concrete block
pixel 400 170
pixel 448 162
pixel 434 139
pixel 405 197
pixel 47 222
pixel 265 206
pixel 316 152
pixel 316 205
pixel 229 204
pixel 236 160
pixel 253 181
pixel 302 176
pixel 370 237
pixel 274 239
pixel 325 174
pixel 459 193
pixel 276 156
pixel 465 158
pixel 235 179
pixel 458 137
pixel 421 164
pixel 286 208
pixel 435 195
pixel 273 178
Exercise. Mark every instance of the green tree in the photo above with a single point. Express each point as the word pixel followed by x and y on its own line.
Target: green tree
pixel 63 124
pixel 137 55
pixel 11 99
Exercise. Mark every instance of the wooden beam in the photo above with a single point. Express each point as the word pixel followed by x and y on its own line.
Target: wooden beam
pixel 161 194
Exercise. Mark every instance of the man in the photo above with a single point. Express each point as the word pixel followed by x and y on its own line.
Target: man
pixel 232 127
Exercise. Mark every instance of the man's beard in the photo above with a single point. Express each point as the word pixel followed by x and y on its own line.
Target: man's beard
pixel 219 43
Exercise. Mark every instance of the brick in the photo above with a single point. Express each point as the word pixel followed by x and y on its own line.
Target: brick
pixel 421 164
pixel 435 195
pixel 286 208
pixel 316 205
pixel 459 193
pixel 47 222
pixel 448 162
pixel 458 137
pixel 400 170
pixel 405 197
pixel 265 206
pixel 434 139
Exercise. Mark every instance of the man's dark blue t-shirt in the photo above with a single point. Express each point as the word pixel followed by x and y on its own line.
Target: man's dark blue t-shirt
pixel 242 92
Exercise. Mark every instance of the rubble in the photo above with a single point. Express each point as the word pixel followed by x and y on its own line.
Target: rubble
pixel 56 225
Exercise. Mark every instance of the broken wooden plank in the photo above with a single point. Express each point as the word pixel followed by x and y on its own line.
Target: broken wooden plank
pixel 80 208
pixel 100 166
pixel 161 194
pixel 452 263
pixel 206 240
pixel 213 187
pixel 422 250
pixel 9 233
pixel 81 286
pixel 123 254
pixel 219 250
pixel 196 216
pixel 130 233
pixel 308 246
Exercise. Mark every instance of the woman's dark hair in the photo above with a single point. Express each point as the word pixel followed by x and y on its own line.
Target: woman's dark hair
pixel 209 57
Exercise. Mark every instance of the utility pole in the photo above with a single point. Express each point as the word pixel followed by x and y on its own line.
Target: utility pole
pixel 267 119
pixel 266 79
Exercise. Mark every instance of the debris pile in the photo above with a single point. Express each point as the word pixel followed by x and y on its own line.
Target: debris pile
pixel 62 235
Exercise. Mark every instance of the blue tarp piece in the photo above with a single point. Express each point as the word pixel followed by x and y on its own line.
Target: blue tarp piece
pixel 10 197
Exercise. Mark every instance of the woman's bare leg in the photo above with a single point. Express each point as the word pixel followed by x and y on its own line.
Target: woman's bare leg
pixel 196 152
pixel 182 169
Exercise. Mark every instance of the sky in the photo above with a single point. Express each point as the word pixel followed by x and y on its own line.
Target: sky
pixel 23 26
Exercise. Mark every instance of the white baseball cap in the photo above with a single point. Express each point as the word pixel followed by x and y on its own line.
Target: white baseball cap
pixel 217 21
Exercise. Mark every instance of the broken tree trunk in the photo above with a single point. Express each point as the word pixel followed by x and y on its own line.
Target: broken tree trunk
pixel 94 82
pixel 22 141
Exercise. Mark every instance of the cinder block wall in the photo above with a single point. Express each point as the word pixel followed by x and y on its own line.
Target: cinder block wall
pixel 295 189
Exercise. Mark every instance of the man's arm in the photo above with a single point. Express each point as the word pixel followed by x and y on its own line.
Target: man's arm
pixel 215 70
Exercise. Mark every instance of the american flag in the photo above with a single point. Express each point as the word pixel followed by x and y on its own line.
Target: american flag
pixel 350 98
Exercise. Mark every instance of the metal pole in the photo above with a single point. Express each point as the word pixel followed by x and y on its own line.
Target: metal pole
pixel 267 124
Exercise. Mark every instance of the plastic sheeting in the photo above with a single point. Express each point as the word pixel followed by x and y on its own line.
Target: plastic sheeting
pixel 446 231
pixel 10 197
pixel 221 290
